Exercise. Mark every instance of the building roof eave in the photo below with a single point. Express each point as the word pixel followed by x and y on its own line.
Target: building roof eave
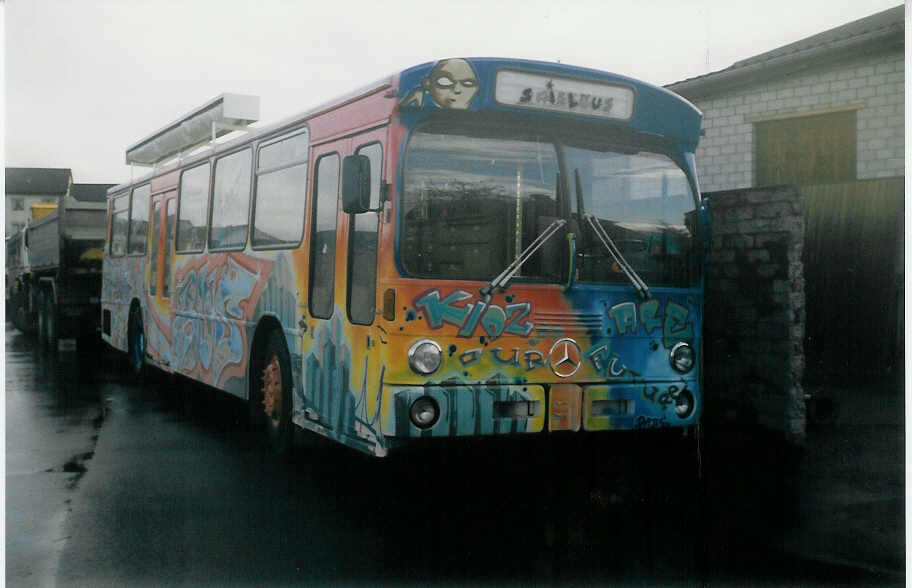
pixel 741 73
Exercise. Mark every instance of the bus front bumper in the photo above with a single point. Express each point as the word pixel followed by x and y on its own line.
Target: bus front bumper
pixel 474 410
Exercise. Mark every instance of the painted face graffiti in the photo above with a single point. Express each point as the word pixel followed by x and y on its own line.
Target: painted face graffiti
pixel 451 84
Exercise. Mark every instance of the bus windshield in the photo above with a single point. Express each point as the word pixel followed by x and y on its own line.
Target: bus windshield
pixel 473 201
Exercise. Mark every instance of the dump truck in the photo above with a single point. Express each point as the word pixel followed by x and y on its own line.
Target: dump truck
pixel 54 286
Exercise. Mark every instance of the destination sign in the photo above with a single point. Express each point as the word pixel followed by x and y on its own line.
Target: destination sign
pixel 529 90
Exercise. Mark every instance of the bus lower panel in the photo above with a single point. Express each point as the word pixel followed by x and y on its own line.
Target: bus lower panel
pixel 473 410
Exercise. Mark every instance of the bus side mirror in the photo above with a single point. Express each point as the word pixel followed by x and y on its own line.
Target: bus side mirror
pixel 356 187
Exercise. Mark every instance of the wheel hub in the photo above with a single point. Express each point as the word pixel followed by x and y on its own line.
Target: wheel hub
pixel 272 391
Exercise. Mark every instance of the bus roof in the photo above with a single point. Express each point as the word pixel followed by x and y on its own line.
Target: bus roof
pixel 549 89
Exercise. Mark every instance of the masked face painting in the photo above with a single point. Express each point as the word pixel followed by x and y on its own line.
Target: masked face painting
pixel 452 84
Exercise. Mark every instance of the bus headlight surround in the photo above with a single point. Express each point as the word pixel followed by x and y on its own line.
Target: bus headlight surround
pixel 424 412
pixel 425 357
pixel 682 357
pixel 684 403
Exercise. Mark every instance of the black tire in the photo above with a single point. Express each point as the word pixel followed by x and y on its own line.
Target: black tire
pixel 42 320
pixel 53 324
pixel 136 345
pixel 270 397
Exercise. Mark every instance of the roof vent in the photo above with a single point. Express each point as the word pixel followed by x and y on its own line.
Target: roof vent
pixel 219 116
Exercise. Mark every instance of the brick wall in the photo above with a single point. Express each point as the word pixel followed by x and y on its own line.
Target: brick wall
pixel 755 310
pixel 874 84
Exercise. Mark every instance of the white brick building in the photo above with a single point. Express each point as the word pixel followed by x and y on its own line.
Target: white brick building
pixel 837 94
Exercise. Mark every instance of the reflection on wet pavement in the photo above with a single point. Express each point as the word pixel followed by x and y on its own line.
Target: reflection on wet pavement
pixel 111 483
pixel 53 414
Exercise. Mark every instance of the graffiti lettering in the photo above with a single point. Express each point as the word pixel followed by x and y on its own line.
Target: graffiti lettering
pixel 516 324
pixel 624 316
pixel 494 319
pixel 645 422
pixel 648 312
pixel 676 328
pixel 675 322
pixel 663 399
pixel 534 359
pixel 605 363
pixel 513 360
pixel 469 357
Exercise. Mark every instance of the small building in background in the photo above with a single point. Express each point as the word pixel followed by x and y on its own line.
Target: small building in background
pixel 26 186
pixel 826 114
pixel 827 108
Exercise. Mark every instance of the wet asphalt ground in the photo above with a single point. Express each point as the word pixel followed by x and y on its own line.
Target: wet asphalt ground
pixel 112 483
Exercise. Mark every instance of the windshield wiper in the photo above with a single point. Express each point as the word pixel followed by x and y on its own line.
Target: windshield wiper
pixel 628 270
pixel 502 281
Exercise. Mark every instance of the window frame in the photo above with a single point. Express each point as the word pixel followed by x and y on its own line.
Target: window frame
pixel 170 244
pixel 154 226
pixel 132 194
pixel 311 231
pixel 254 191
pixel 250 188
pixel 351 237
pixel 113 211
pixel 180 198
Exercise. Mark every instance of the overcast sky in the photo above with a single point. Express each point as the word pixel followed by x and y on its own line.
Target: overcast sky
pixel 87 78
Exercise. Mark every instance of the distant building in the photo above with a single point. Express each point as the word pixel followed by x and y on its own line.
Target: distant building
pixel 827 108
pixel 29 185
pixel 90 192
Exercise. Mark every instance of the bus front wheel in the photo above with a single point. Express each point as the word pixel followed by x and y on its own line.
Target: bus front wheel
pixel 270 393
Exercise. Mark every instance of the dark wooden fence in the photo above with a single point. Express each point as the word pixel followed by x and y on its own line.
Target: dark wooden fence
pixel 853 259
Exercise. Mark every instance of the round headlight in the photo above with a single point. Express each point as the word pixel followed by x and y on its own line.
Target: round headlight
pixel 425 357
pixel 682 357
pixel 684 403
pixel 424 412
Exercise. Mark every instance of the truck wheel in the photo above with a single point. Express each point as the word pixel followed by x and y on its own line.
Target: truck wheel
pixel 136 351
pixel 42 320
pixel 271 393
pixel 52 323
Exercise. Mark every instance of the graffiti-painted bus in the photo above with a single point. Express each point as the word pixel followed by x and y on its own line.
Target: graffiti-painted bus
pixel 470 247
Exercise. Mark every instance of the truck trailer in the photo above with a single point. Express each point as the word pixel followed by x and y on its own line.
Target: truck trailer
pixel 55 283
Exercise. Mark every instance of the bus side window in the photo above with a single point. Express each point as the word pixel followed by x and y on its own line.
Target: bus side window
pixel 169 234
pixel 192 213
pixel 230 201
pixel 153 249
pixel 120 208
pixel 139 220
pixel 281 192
pixel 323 236
pixel 362 247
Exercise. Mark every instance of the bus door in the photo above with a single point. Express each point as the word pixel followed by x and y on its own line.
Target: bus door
pixel 342 292
pixel 161 237
pixel 324 319
pixel 360 290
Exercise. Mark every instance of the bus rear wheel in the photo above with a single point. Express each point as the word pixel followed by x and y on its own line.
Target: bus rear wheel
pixel 136 352
pixel 270 393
